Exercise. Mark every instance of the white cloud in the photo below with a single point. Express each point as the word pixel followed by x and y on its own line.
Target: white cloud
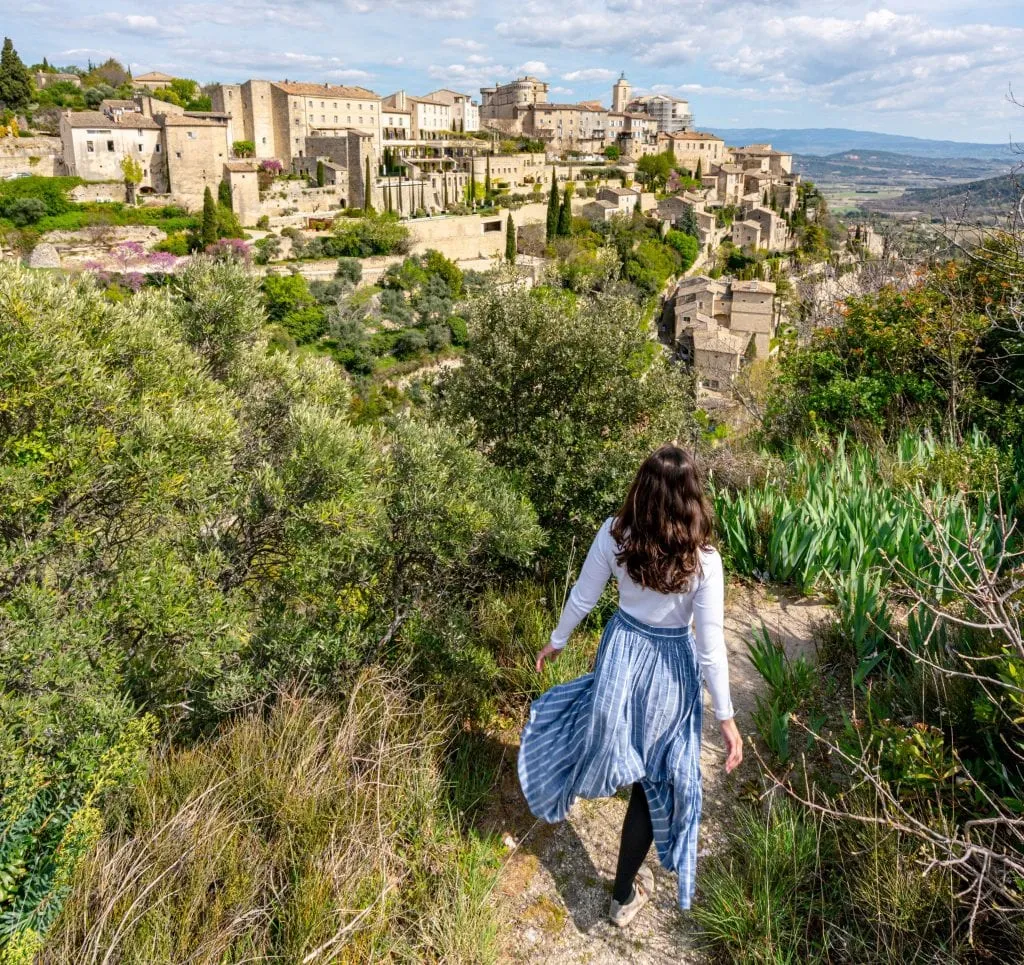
pixel 590 74
pixel 131 23
pixel 429 9
pixel 463 43
pixel 537 67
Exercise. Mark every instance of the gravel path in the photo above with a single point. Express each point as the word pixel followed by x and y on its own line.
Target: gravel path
pixel 553 893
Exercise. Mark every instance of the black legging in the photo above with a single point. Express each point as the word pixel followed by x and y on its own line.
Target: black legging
pixel 637 835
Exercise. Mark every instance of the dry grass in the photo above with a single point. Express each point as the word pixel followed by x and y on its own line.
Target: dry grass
pixel 309 833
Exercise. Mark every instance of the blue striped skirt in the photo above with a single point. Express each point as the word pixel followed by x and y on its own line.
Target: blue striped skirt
pixel 636 717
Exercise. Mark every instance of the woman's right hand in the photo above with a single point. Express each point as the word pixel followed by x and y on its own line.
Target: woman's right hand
pixel 549 653
pixel 733 744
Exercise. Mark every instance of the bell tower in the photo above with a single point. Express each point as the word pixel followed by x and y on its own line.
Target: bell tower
pixel 620 94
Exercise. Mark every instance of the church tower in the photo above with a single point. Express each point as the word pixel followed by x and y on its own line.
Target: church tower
pixel 620 94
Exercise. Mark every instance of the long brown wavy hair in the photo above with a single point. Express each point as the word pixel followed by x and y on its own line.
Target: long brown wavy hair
pixel 665 521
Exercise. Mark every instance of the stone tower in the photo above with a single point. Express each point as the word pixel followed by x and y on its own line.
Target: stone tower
pixel 620 94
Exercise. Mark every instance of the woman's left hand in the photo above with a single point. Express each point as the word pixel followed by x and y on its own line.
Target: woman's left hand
pixel 548 654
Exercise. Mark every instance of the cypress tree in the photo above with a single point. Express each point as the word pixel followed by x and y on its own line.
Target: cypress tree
pixel 565 216
pixel 224 195
pixel 444 178
pixel 15 80
pixel 423 202
pixel 472 183
pixel 366 185
pixel 510 240
pixel 320 174
pixel 208 227
pixel 697 174
pixel 400 191
pixel 552 223
pixel 487 180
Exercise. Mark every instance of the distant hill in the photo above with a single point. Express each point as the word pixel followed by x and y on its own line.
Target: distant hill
pixel 985 199
pixel 864 163
pixel 832 140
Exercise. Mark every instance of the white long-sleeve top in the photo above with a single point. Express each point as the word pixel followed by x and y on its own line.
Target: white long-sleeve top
pixel 703 605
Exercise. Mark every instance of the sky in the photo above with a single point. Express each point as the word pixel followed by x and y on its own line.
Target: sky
pixel 927 68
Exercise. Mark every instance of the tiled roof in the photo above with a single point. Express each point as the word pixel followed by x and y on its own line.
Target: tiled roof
pixel 186 120
pixel 154 75
pixel 754 285
pixel 77 119
pixel 693 136
pixel 127 105
pixel 241 166
pixel 326 90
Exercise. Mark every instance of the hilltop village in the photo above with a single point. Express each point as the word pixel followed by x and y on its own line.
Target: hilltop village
pixel 292 156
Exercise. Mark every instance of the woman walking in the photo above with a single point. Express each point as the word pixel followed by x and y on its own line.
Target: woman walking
pixel 636 719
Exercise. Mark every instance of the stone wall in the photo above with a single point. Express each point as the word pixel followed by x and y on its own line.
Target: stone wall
pixel 469 237
pixel 99 191
pixel 31 155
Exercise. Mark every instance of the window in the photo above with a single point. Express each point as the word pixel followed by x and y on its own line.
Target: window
pixel 140 148
pixel 158 149
pixel 492 225
pixel 191 135
pixel 177 154
pixel 110 145
pixel 90 146
pixel 335 118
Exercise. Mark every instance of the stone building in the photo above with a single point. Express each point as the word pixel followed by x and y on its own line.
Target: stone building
pixel 195 149
pixel 775 234
pixel 743 308
pixel 624 199
pixel 746 235
pixel 566 127
pixel 671 114
pixel 502 101
pixel 395 123
pixel 516 172
pixel 693 148
pixel 430 120
pixel 465 112
pixel 621 91
pixel 94 145
pixel 46 78
pixel 154 80
pixel 277 116
pixel 633 133
pixel 243 178
pixel 179 153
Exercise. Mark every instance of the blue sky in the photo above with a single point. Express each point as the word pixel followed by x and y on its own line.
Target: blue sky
pixel 918 67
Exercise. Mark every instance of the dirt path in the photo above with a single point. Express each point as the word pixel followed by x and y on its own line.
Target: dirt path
pixel 554 891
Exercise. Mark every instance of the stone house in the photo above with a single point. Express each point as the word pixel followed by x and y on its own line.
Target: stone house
pixel 46 78
pixel 624 199
pixel 746 235
pixel 395 123
pixel 729 180
pixel 94 145
pixel 180 154
pixel 152 81
pixel 762 157
pixel 243 178
pixel 465 112
pixel 567 127
pixel 429 119
pixel 195 149
pixel 775 233
pixel 600 210
pixel 743 308
pixel 693 148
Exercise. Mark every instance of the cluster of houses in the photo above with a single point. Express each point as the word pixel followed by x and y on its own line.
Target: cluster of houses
pixel 355 141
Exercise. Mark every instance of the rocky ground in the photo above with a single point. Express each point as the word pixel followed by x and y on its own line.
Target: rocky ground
pixel 554 890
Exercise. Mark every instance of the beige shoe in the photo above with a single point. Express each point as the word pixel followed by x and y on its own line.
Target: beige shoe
pixel 643 888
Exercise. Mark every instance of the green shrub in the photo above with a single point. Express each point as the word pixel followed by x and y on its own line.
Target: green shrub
pixel 311 826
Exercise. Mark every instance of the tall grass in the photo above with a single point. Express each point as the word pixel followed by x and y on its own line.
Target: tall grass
pixel 310 832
